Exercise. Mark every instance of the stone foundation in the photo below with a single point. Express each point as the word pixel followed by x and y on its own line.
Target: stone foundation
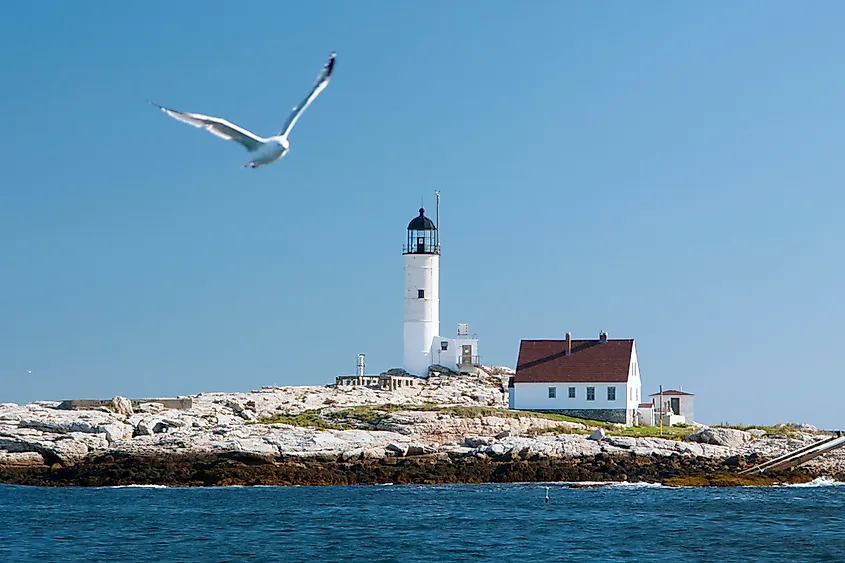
pixel 620 416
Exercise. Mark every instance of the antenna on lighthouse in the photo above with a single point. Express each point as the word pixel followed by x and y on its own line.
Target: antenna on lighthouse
pixel 437 216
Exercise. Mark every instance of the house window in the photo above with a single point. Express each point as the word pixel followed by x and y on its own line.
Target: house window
pixel 421 293
pixel 444 344
pixel 552 392
pixel 611 393
pixel 572 392
pixel 591 393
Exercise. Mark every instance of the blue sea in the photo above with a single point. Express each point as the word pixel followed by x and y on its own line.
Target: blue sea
pixel 499 523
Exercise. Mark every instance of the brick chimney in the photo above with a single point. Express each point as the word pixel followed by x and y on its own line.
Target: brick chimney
pixel 603 336
pixel 568 343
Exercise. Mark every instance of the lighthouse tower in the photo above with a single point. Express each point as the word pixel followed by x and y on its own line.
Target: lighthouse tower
pixel 422 294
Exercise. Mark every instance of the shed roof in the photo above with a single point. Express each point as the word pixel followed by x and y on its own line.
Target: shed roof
pixel 671 392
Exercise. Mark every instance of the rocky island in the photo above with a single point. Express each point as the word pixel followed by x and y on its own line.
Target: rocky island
pixel 452 429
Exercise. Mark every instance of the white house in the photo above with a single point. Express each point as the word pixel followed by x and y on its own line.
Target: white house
pixel 592 379
pixel 423 345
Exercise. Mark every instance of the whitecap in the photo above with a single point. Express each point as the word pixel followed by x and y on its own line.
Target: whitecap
pixel 820 482
pixel 640 485
pixel 138 487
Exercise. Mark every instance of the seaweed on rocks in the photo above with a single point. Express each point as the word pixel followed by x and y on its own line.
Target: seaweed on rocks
pixel 237 468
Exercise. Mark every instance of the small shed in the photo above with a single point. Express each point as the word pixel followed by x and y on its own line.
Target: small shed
pixel 674 402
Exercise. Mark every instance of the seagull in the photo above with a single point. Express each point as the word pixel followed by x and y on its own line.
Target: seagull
pixel 267 150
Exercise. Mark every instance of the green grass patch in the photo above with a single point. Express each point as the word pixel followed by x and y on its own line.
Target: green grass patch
pixel 668 433
pixel 364 414
pixel 777 431
pixel 308 419
pixel 368 416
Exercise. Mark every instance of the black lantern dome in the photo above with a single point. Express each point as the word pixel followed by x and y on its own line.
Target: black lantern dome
pixel 422 223
pixel 422 236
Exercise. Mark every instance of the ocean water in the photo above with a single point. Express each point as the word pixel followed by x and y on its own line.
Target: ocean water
pixel 500 523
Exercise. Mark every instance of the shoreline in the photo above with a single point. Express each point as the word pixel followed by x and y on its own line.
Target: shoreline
pixel 246 469
pixel 452 429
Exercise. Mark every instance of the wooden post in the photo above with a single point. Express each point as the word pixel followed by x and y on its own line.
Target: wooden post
pixel 661 410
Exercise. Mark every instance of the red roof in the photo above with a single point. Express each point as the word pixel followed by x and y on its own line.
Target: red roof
pixel 592 361
pixel 671 392
pixel 645 406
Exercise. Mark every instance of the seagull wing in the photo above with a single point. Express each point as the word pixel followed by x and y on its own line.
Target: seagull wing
pixel 218 127
pixel 319 86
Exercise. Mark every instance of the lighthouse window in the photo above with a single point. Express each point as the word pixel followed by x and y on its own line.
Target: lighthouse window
pixel 444 344
pixel 421 293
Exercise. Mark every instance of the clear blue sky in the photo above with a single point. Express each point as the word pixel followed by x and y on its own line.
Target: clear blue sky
pixel 666 171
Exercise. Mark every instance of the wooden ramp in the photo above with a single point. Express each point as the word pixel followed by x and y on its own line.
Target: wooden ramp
pixel 799 456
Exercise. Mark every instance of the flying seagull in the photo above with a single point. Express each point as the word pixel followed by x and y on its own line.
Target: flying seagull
pixel 266 150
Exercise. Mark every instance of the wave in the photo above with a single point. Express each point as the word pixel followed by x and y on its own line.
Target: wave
pixel 641 485
pixel 596 484
pixel 820 482
pixel 136 487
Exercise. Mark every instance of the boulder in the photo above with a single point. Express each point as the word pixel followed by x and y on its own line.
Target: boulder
pixel 494 450
pixel 475 441
pixel 457 451
pixel 621 441
pixel 174 422
pixel 122 405
pixel 729 437
pixel 597 435
pixel 21 459
pixel 145 427
pixel 398 450
pixel 226 420
pixel 117 432
pixel 373 453
pixel 233 404
pixel 247 415
pixel 420 449
pixel 161 427
pixel 152 408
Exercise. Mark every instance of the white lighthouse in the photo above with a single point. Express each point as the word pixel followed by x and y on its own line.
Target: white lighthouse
pixel 422 294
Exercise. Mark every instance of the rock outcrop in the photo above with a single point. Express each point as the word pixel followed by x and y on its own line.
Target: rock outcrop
pixel 452 419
